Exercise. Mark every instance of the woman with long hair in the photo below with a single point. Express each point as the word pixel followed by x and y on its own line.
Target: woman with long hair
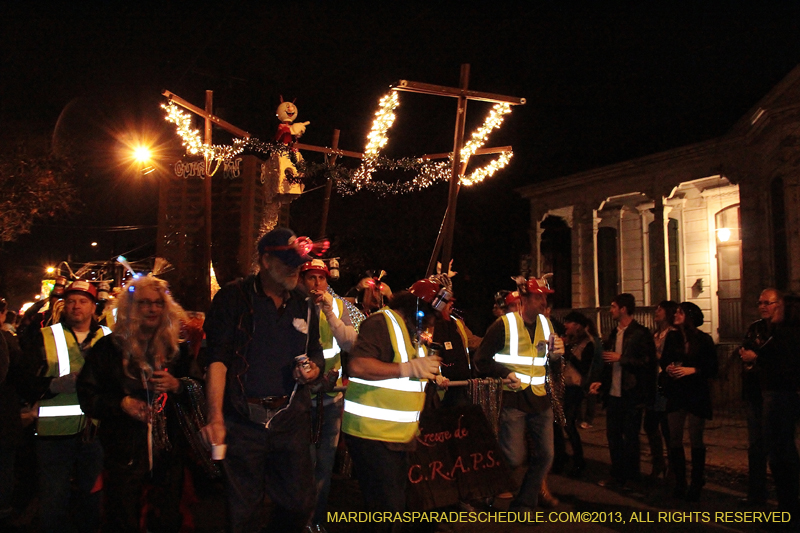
pixel 656 425
pixel 689 358
pixel 130 382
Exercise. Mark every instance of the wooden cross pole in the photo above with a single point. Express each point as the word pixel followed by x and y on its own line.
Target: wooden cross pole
pixel 463 94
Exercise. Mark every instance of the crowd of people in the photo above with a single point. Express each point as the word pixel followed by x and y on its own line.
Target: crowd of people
pixel 121 403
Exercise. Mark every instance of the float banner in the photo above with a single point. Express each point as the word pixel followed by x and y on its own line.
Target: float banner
pixel 457 459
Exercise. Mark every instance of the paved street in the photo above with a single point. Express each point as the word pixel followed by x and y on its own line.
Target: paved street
pixel 726 440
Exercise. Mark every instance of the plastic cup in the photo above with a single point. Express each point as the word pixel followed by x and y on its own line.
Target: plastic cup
pixel 218 451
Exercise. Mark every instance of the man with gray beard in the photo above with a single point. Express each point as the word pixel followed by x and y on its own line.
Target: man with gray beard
pixel 263 350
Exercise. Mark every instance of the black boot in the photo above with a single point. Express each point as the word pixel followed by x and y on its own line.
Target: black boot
pixel 698 474
pixel 657 451
pixel 677 463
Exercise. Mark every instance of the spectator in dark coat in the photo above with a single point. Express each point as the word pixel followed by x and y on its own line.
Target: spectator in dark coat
pixel 690 360
pixel 628 383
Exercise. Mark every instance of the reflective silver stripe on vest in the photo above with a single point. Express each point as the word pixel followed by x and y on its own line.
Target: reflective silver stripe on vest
pixel 389 415
pixel 529 380
pixel 330 353
pixel 62 352
pixel 399 384
pixel 545 329
pixel 106 330
pixel 50 411
pixel 519 360
pixel 398 334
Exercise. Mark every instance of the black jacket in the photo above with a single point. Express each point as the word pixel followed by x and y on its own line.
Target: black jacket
pixel 690 393
pixel 639 364
pixel 101 386
pixel 229 330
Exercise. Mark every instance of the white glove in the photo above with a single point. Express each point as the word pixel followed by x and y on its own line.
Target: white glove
pixel 513 381
pixel 558 347
pixel 63 384
pixel 326 301
pixel 421 367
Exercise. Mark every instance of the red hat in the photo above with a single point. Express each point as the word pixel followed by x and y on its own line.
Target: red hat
pixel 512 297
pixel 82 286
pixel 539 286
pixel 316 264
pixel 533 285
pixel 433 292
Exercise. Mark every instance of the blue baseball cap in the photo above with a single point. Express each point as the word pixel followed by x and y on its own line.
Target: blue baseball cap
pixel 284 244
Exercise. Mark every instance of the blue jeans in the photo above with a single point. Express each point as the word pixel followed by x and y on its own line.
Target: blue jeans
pixel 513 424
pixel 264 462
pixel 325 456
pixel 59 458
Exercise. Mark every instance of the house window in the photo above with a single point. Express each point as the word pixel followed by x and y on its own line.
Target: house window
pixel 729 270
pixel 607 264
pixel 556 248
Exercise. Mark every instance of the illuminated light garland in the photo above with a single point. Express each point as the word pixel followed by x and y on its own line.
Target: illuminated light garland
pixel 480 174
pixel 192 141
pixel 351 181
pixel 493 120
pixel 377 139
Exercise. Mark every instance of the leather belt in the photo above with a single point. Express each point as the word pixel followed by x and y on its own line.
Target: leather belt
pixel 270 402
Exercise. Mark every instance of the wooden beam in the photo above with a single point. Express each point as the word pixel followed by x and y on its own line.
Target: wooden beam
pixel 479 151
pixel 227 126
pixel 334 151
pixel 454 92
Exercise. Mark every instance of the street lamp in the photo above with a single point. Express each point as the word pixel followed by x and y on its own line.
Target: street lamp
pixel 143 156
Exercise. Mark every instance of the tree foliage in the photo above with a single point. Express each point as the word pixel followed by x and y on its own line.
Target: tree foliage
pixel 32 189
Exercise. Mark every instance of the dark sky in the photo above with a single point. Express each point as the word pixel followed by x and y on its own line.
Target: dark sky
pixel 602 84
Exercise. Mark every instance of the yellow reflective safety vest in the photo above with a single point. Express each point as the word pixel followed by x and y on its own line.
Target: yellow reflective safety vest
pixel 330 348
pixel 387 410
pixel 62 415
pixel 523 356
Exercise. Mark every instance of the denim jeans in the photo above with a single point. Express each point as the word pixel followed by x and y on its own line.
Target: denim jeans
pixel 264 462
pixel 513 424
pixel 325 456
pixel 59 458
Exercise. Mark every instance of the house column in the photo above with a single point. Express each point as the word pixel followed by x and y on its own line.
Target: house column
pixel 583 245
pixel 658 258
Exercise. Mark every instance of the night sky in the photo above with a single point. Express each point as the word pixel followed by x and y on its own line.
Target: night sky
pixel 602 84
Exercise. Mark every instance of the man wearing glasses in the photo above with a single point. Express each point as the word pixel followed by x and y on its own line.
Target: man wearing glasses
pixel 769 350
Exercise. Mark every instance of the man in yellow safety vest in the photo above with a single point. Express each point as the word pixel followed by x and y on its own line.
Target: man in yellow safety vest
pixel 336 333
pixel 517 347
pixel 388 372
pixel 65 445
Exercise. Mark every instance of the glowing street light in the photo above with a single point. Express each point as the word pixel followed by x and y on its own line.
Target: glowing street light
pixel 142 154
pixel 50 270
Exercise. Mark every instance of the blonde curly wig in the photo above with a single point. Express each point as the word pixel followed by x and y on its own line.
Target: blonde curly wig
pixel 146 353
